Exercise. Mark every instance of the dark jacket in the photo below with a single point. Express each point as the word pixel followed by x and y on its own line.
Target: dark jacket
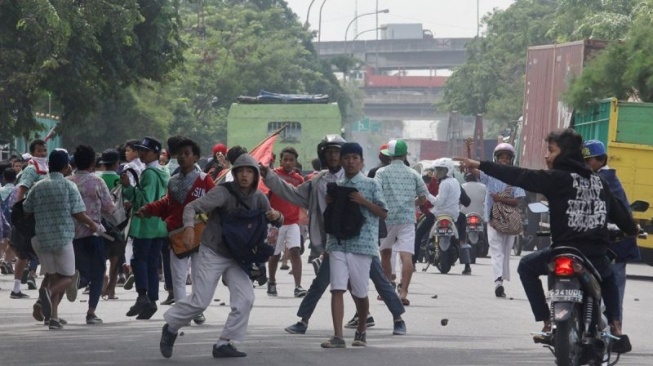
pixel 580 202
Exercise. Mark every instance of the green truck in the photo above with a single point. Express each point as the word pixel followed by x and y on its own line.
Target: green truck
pixel 626 129
pixel 249 123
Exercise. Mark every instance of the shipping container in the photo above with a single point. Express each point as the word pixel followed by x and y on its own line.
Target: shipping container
pixel 549 70
pixel 626 129
pixel 402 31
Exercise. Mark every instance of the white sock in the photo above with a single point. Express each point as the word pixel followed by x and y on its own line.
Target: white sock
pixel 172 330
pixel 222 342
pixel 16 286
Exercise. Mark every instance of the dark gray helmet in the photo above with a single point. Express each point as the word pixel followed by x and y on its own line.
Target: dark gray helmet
pixel 328 141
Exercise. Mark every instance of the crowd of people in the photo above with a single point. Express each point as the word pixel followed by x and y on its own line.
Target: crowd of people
pixel 139 214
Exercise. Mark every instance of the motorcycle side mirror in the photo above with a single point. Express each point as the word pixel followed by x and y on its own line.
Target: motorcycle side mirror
pixel 538 207
pixel 639 206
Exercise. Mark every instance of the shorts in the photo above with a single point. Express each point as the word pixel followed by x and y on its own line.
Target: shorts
pixel 22 246
pixel 288 237
pixel 401 238
pixel 61 261
pixel 350 268
pixel 114 248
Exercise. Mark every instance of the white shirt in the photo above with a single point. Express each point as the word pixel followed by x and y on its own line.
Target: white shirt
pixel 447 202
pixel 476 193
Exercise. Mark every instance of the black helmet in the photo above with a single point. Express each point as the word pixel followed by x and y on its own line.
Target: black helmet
pixel 328 141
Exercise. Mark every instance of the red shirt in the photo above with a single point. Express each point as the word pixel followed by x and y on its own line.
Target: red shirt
pixel 433 187
pixel 290 212
pixel 171 211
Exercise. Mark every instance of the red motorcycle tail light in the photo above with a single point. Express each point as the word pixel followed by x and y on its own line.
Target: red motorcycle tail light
pixel 564 266
pixel 473 220
pixel 444 224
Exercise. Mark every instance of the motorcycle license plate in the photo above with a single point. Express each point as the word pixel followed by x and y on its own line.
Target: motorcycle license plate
pixel 444 232
pixel 566 295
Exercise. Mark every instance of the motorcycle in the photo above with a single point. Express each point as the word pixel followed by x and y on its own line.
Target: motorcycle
pixel 475 235
pixel 442 248
pixel 580 332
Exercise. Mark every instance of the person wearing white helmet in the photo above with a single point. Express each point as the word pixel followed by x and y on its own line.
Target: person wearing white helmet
pixel 500 243
pixel 447 202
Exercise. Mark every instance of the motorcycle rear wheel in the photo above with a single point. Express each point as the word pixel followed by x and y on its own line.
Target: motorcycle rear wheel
pixel 567 340
pixel 517 247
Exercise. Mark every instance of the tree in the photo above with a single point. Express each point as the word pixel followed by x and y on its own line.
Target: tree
pixel 81 53
pixel 624 70
pixel 491 81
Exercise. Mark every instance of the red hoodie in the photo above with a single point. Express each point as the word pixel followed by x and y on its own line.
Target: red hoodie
pixel 172 211
pixel 290 212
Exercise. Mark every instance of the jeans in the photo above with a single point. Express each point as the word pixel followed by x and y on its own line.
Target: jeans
pixel 619 269
pixel 90 261
pixel 534 265
pixel 321 282
pixel 145 266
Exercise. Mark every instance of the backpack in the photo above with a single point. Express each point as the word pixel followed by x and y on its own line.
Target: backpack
pixel 244 232
pixel 24 224
pixel 504 218
pixel 342 217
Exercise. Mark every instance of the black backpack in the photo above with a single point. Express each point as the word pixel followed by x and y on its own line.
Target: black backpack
pixel 342 218
pixel 24 223
pixel 244 232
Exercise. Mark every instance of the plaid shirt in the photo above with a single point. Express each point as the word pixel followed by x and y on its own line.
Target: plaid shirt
pixel 53 201
pixel 401 185
pixel 367 242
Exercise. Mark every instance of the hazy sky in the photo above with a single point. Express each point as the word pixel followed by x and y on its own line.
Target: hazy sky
pixel 445 18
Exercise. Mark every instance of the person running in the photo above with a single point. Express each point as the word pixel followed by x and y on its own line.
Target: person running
pixel 403 188
pixel 215 260
pixel 288 236
pixel 184 187
pixel 90 253
pixel 351 259
pixel 55 201
pixel 149 234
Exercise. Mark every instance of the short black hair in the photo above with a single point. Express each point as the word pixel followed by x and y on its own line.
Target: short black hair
pixel 183 142
pixel 132 144
pixel 35 143
pixel 316 164
pixel 234 152
pixel 174 143
pixel 569 141
pixel 288 150
pixel 84 157
pixel 603 159
pixel 9 175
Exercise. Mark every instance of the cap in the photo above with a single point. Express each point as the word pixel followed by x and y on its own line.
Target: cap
pixel 351 148
pixel 149 143
pixel 220 148
pixel 58 159
pixel 592 148
pixel 396 148
pixel 109 156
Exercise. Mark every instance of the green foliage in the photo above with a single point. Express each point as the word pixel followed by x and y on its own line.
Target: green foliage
pixel 624 70
pixel 491 81
pixel 80 52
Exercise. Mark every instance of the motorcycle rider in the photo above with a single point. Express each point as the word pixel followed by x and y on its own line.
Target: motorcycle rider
pixel 580 206
pixel 448 199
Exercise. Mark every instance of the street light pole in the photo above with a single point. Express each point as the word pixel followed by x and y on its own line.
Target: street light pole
pixel 367 31
pixel 385 11
pixel 478 18
pixel 319 27
pixel 308 13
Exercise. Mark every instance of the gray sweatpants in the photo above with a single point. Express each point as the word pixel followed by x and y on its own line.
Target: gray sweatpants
pixel 208 268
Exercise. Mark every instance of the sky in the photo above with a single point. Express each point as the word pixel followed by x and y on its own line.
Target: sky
pixel 445 18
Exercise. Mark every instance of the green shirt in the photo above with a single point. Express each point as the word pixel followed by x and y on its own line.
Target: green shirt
pixel 152 186
pixel 111 178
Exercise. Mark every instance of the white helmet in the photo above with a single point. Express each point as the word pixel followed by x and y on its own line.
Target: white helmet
pixel 445 163
pixel 504 147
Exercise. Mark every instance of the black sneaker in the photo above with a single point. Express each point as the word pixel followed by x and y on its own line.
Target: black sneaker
pixel 23 279
pixel 55 325
pixel 36 311
pixel 353 323
pixel 199 319
pixel 121 280
pixel 499 291
pixel 272 289
pixel 360 339
pixel 399 328
pixel 141 303
pixel 147 312
pixel 31 283
pixel 170 300
pixel 227 350
pixel 167 342
pixel 262 278
pixel 300 292
pixel 467 270
pixel 18 295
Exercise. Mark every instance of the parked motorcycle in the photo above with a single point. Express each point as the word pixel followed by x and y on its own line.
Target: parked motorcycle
pixel 476 236
pixel 442 248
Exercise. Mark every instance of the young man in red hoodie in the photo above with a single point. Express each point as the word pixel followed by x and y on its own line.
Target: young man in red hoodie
pixel 186 186
pixel 289 234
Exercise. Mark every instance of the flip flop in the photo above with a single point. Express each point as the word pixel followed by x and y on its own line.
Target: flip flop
pixel 405 302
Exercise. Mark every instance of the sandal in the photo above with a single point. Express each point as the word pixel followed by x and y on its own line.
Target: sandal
pixel 405 302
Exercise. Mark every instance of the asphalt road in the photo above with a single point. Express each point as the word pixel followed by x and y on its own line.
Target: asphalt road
pixel 481 330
